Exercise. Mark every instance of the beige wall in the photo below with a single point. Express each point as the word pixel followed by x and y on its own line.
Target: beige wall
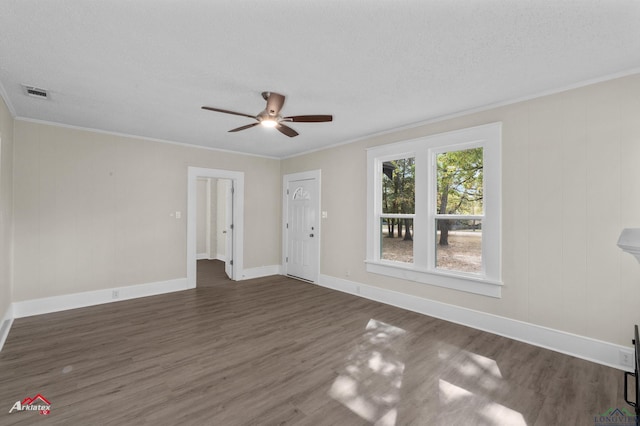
pixel 201 217
pixel 207 188
pixel 571 183
pixel 213 216
pixel 6 206
pixel 93 210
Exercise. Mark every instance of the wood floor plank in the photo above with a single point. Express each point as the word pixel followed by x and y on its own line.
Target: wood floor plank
pixel 279 351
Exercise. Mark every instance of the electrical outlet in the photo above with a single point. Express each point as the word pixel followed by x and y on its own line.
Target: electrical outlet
pixel 626 358
pixel 115 294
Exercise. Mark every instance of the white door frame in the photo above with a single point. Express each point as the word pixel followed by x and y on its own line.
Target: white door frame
pixel 238 215
pixel 312 174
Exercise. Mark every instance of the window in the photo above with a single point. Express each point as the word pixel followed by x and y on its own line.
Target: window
pixel 434 210
pixel 398 210
pixel 458 209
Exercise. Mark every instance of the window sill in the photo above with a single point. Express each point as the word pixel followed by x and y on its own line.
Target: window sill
pixel 467 283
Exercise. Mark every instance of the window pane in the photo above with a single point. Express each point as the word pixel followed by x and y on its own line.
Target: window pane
pixel 398 186
pixel 459 245
pixel 460 182
pixel 396 240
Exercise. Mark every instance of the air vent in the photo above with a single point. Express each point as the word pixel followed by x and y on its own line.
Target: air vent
pixel 35 92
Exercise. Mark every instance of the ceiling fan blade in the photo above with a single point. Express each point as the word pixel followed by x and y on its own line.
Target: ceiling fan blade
pixel 274 102
pixel 286 130
pixel 229 112
pixel 309 118
pixel 248 126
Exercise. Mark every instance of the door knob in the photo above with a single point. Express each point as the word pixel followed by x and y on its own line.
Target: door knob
pixel 311 235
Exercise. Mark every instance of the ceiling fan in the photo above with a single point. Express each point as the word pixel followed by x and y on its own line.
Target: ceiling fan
pixel 271 117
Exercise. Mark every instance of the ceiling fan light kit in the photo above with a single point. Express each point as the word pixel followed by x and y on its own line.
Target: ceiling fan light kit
pixel 269 123
pixel 271 117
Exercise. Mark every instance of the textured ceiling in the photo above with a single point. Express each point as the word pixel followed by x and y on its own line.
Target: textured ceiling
pixel 145 67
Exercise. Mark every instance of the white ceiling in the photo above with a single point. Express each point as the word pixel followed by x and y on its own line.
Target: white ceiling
pixel 145 67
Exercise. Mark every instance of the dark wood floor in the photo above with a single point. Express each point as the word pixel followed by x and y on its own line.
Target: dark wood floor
pixel 279 351
pixel 211 274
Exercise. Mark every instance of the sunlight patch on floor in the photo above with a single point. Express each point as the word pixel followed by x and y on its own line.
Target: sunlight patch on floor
pixel 491 412
pixel 501 415
pixel 482 369
pixel 372 377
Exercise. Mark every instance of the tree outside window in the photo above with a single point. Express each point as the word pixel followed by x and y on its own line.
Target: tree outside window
pixel 398 209
pixel 459 210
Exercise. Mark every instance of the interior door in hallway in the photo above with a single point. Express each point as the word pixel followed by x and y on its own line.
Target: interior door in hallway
pixel 302 229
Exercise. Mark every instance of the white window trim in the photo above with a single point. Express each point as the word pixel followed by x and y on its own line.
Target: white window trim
pixel 424 149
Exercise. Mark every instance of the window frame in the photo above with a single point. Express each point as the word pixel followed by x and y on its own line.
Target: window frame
pixel 424 150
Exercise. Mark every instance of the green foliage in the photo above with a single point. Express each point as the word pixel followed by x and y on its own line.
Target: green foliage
pixel 460 182
pixel 459 188
pixel 399 194
pixel 398 186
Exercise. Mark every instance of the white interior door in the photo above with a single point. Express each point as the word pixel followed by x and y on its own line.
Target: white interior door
pixel 228 264
pixel 302 228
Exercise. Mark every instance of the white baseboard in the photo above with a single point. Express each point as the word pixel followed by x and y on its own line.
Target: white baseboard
pixel 261 271
pixel 5 325
pixel 567 343
pixel 47 305
pixel 205 256
pixel 220 257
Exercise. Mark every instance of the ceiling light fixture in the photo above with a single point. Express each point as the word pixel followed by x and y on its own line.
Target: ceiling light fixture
pixel 269 123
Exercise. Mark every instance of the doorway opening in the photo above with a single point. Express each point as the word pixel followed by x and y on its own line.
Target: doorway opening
pixel 228 237
pixel 214 231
